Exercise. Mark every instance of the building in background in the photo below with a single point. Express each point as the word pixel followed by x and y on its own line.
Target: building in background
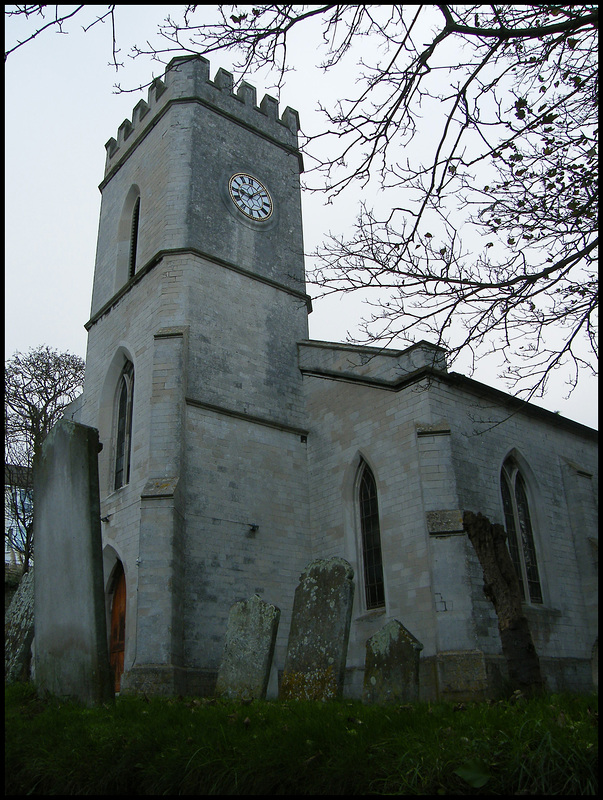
pixel 18 511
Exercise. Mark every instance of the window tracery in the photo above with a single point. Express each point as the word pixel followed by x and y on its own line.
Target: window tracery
pixel 520 534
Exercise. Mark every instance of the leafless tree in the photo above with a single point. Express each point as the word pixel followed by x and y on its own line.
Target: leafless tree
pixel 45 18
pixel 486 241
pixel 37 385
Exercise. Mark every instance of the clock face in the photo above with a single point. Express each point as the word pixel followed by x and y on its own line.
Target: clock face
pixel 250 196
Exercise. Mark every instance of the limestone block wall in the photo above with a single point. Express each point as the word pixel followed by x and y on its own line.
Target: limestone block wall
pixel 559 462
pixel 349 421
pixel 436 448
pixel 243 335
pixel 160 171
pixel 247 508
pixel 247 528
pixel 235 358
pixel 143 325
pixel 220 149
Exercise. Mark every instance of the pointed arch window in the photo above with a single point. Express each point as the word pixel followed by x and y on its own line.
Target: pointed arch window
pixel 128 238
pixel 520 534
pixel 134 238
pixel 374 588
pixel 123 438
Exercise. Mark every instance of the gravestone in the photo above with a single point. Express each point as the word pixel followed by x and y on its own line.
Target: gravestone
pixel 71 654
pixel 19 631
pixel 248 649
pixel 391 670
pixel 318 637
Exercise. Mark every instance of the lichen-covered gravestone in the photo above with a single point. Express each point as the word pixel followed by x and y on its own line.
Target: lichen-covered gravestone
pixel 19 631
pixel 320 627
pixel 391 670
pixel 248 649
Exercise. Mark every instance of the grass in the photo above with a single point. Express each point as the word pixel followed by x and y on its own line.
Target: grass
pixel 194 746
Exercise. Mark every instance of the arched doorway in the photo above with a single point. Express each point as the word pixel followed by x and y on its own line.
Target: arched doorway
pixel 117 638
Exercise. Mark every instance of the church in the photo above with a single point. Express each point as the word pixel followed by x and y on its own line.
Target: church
pixel 236 449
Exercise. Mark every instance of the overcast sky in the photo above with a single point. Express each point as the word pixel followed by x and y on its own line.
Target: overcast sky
pixel 61 108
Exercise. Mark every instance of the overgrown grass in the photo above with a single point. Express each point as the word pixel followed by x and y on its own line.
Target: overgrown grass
pixel 194 746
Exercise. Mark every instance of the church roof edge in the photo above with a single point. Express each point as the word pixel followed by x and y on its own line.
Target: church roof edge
pixel 319 359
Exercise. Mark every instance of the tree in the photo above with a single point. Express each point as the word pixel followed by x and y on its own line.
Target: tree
pixel 38 385
pixel 488 243
pixel 475 126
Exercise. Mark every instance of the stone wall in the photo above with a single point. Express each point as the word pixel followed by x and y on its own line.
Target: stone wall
pixel 216 506
pixel 437 447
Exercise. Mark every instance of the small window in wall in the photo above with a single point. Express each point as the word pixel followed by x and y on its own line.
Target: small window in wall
pixel 123 437
pixel 518 523
pixel 134 238
pixel 371 539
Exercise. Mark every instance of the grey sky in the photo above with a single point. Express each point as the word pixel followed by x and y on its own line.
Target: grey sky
pixel 60 110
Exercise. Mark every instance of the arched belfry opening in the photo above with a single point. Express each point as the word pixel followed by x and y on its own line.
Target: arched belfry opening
pixel 128 238
pixel 134 238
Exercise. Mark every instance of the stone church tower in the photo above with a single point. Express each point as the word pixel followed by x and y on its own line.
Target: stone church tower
pixel 236 450
pixel 192 377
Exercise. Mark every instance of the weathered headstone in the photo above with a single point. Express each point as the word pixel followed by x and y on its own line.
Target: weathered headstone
pixel 71 653
pixel 19 631
pixel 320 627
pixel 248 649
pixel 391 670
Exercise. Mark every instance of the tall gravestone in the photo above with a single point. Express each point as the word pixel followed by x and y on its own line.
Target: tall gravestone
pixel 248 649
pixel 320 627
pixel 71 652
pixel 391 670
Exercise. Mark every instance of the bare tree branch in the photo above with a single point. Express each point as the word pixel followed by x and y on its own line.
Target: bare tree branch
pixel 476 128
pixel 38 386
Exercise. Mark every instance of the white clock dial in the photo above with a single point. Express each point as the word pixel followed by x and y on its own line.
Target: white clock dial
pixel 250 196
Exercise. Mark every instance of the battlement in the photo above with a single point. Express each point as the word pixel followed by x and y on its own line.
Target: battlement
pixel 186 79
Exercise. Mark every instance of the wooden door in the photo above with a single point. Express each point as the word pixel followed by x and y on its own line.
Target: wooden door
pixel 118 627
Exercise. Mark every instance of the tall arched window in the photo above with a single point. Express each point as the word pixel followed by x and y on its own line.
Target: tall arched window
pixel 123 434
pixel 128 238
pixel 520 535
pixel 134 238
pixel 371 538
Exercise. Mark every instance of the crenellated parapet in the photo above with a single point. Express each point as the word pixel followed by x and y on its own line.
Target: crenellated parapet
pixel 186 80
